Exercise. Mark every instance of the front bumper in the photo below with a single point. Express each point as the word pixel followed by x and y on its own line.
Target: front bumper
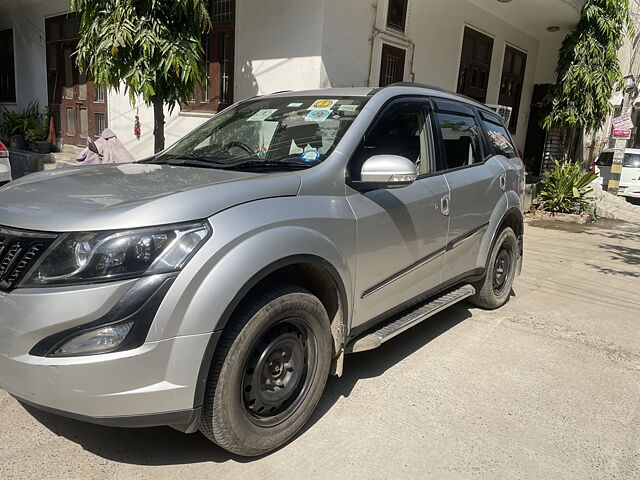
pixel 155 382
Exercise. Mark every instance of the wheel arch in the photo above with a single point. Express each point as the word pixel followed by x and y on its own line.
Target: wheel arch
pixel 311 272
pixel 512 218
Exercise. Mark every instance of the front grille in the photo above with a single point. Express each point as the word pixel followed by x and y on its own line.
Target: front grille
pixel 19 251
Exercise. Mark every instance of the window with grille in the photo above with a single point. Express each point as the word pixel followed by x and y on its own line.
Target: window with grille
pixel 7 67
pixel 222 10
pixel 219 61
pixel 475 65
pixel 392 65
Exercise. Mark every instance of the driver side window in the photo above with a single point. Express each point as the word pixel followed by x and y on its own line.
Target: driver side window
pixel 404 129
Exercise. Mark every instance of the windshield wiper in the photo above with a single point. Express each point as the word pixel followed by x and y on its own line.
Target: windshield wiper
pixel 189 161
pixel 285 164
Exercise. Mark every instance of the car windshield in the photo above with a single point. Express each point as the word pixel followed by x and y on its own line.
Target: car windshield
pixel 630 160
pixel 269 133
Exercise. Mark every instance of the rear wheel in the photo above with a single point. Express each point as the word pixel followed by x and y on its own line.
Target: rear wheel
pixel 494 289
pixel 269 372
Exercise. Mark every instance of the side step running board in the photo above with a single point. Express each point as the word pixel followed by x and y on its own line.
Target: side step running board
pixel 407 319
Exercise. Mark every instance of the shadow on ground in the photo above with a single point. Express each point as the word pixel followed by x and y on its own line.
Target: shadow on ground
pixel 165 446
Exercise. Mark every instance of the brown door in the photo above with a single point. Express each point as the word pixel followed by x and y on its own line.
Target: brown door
pixel 80 109
pixel 515 63
pixel 475 65
pixel 392 65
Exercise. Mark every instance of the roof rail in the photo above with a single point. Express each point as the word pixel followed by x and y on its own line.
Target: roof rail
pixel 418 85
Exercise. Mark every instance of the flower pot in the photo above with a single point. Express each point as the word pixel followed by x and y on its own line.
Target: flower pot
pixel 19 142
pixel 42 146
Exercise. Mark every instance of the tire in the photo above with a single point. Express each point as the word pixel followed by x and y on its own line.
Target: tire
pixel 494 289
pixel 269 371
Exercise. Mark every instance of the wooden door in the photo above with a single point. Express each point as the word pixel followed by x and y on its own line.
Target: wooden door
pixel 513 70
pixel 80 108
pixel 475 65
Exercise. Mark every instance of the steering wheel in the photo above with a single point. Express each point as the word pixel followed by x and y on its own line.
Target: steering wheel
pixel 240 145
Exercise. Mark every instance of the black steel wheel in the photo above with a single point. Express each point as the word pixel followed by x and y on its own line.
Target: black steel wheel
pixel 494 289
pixel 269 371
pixel 501 270
pixel 277 375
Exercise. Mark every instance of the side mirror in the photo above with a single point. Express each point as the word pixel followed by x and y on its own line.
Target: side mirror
pixel 386 171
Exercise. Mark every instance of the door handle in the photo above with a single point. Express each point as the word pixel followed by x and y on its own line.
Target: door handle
pixel 503 181
pixel 444 205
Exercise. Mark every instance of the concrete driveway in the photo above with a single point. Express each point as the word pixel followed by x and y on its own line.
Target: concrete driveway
pixel 546 387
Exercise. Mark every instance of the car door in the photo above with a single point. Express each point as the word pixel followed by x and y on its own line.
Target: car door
pixel 476 182
pixel 401 232
pixel 630 176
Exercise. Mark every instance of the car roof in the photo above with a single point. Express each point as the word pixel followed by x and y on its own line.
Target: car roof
pixel 396 88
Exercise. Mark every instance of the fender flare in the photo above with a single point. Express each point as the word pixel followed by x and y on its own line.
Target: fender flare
pixel 203 373
pixel 510 211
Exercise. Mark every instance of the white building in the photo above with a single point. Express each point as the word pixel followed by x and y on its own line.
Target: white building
pixel 498 51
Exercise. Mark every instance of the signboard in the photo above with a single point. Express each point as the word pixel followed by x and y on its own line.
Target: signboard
pixel 622 134
pixel 623 122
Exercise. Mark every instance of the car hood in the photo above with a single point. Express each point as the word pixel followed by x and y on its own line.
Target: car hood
pixel 109 197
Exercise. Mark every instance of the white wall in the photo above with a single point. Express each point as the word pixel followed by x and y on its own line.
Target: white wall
pixel 27 20
pixel 278 46
pixel 548 56
pixel 346 42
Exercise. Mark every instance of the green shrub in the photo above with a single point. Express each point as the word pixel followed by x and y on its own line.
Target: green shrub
pixel 19 123
pixel 566 189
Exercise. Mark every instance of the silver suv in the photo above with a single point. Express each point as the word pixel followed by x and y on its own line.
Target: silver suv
pixel 216 285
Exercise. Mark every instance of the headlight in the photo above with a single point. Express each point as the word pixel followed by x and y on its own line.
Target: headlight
pixel 106 256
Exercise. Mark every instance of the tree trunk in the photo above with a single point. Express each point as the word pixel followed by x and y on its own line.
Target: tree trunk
pixel 158 124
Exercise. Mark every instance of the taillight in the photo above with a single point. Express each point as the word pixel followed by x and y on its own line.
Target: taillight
pixel 4 153
pixel 521 161
pixel 592 168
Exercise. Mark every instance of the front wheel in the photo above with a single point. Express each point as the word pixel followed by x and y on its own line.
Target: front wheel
pixel 269 372
pixel 494 289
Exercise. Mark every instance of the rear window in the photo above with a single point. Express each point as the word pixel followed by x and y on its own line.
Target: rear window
pixel 630 160
pixel 605 159
pixel 500 139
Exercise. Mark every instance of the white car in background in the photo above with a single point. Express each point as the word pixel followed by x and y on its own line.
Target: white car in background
pixel 5 166
pixel 630 176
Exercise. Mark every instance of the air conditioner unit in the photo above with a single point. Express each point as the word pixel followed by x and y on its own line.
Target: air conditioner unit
pixel 503 111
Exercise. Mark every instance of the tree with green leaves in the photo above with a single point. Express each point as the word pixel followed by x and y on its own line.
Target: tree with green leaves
pixel 151 47
pixel 588 70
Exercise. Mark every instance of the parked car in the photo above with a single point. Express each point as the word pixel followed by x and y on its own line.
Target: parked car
pixel 5 166
pixel 216 285
pixel 630 176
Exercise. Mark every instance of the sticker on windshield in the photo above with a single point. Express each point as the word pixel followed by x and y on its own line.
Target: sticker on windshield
pixel 317 115
pixel 262 115
pixel 294 105
pixel 322 104
pixel 310 155
pixel 347 108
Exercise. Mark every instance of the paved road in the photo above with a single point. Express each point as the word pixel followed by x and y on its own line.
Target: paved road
pixel 547 387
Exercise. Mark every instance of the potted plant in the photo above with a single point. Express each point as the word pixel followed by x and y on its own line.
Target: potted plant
pixel 16 124
pixel 37 138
